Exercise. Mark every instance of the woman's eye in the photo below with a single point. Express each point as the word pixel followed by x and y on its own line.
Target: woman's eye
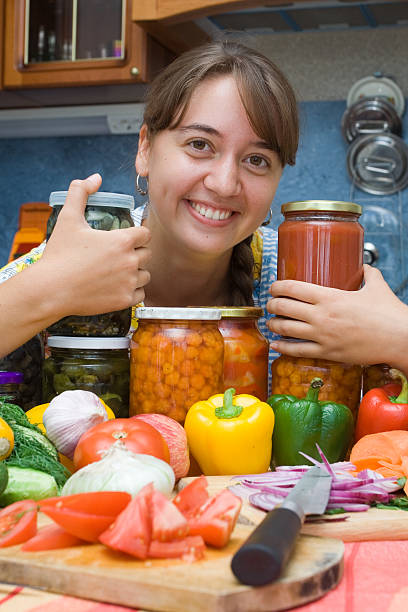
pixel 258 161
pixel 199 145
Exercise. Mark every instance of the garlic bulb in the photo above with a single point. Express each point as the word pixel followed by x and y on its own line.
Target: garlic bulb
pixel 69 415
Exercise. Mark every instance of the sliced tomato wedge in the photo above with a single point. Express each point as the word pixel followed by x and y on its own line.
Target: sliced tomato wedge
pixel 131 531
pixel 50 538
pixel 86 515
pixel 18 522
pixel 190 548
pixel 167 521
pixel 216 518
pixel 192 497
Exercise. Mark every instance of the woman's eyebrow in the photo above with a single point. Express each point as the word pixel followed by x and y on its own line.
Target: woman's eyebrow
pixel 210 130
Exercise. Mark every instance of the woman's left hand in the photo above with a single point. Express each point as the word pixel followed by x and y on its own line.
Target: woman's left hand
pixel 361 327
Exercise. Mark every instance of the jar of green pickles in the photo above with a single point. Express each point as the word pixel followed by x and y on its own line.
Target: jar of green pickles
pixel 100 365
pixel 104 211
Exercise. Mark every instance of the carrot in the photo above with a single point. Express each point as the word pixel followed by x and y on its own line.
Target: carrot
pixel 385 452
pixel 376 445
pixel 367 463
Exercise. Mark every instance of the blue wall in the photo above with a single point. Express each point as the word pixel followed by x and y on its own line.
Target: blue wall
pixel 31 168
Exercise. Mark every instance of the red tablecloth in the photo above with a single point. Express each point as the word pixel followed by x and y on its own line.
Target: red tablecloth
pixel 375 580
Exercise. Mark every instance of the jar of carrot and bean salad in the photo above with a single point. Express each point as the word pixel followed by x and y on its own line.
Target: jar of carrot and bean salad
pixel 245 351
pixel 176 359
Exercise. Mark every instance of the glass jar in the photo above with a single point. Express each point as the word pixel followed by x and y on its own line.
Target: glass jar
pixel 100 365
pixel 10 387
pixel 104 211
pixel 378 375
pixel 176 359
pixel 245 351
pixel 321 242
pixel 341 382
pixel 27 359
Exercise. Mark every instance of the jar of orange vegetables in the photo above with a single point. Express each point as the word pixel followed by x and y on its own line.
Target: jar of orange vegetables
pixel 245 351
pixel 341 382
pixel 176 359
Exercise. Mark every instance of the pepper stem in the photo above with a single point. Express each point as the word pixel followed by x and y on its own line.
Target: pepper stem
pixel 313 393
pixel 403 396
pixel 228 410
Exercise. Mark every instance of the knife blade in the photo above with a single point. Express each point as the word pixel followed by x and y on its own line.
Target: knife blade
pixel 262 557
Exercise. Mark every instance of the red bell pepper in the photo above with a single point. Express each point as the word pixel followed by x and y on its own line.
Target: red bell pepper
pixel 380 411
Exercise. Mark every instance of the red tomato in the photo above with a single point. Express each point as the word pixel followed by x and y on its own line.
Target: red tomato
pixel 167 521
pixel 86 515
pixel 131 531
pixel 216 518
pixel 18 522
pixel 50 538
pixel 135 434
pixel 192 497
pixel 190 548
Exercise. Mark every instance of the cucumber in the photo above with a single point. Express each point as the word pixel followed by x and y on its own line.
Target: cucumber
pixel 25 483
pixel 3 476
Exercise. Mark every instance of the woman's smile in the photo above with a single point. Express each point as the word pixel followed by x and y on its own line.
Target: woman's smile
pixel 206 212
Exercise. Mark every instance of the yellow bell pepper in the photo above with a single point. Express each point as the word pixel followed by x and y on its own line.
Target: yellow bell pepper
pixel 230 435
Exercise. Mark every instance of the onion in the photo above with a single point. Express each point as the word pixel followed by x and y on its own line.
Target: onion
pixel 349 493
pixel 121 470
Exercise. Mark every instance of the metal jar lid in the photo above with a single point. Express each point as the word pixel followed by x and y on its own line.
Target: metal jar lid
pixel 188 314
pixel 77 342
pixel 370 116
pixel 240 312
pixel 378 164
pixel 101 198
pixel 322 205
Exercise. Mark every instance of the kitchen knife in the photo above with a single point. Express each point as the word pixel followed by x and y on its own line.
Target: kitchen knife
pixel 263 555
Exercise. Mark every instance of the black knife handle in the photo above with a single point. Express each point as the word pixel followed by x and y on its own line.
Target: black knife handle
pixel 263 555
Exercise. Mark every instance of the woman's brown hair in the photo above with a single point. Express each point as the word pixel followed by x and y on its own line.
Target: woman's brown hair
pixel 268 99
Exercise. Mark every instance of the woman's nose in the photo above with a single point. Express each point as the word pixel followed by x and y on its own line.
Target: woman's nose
pixel 223 177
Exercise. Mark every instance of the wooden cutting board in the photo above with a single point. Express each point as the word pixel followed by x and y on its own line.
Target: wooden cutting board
pixel 375 524
pixel 94 572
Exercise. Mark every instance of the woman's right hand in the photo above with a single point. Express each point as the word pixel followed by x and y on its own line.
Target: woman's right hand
pixel 92 271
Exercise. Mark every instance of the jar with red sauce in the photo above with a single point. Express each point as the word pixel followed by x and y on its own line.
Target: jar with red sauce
pixel 245 351
pixel 320 242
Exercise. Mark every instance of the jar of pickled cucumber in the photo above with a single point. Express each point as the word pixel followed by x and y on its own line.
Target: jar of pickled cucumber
pixel 104 211
pixel 341 382
pixel 100 365
pixel 245 351
pixel 10 387
pixel 176 359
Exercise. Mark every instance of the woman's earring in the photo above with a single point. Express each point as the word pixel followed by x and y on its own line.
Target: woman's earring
pixel 140 189
pixel 268 218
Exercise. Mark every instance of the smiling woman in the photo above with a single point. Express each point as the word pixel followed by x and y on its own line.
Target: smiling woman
pixel 220 124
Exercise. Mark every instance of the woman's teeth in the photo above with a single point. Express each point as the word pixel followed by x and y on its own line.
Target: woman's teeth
pixel 211 213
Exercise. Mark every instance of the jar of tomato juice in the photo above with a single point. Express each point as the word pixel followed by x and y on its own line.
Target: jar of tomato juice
pixel 320 242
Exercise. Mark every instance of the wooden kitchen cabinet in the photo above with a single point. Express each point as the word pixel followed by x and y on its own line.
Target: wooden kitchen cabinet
pixel 53 43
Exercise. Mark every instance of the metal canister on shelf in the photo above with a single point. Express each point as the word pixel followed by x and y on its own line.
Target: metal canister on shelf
pixel 176 359
pixel 104 211
pixel 100 365
pixel 320 242
pixel 245 351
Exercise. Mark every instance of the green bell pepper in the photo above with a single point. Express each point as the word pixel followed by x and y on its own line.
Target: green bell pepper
pixel 300 423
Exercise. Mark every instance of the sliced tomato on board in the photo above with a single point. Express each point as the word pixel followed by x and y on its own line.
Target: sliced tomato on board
pixel 18 522
pixel 86 515
pixel 216 518
pixel 51 537
pixel 167 521
pixel 131 531
pixel 190 499
pixel 190 548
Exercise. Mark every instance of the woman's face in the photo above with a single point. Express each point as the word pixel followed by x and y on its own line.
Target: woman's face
pixel 212 178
